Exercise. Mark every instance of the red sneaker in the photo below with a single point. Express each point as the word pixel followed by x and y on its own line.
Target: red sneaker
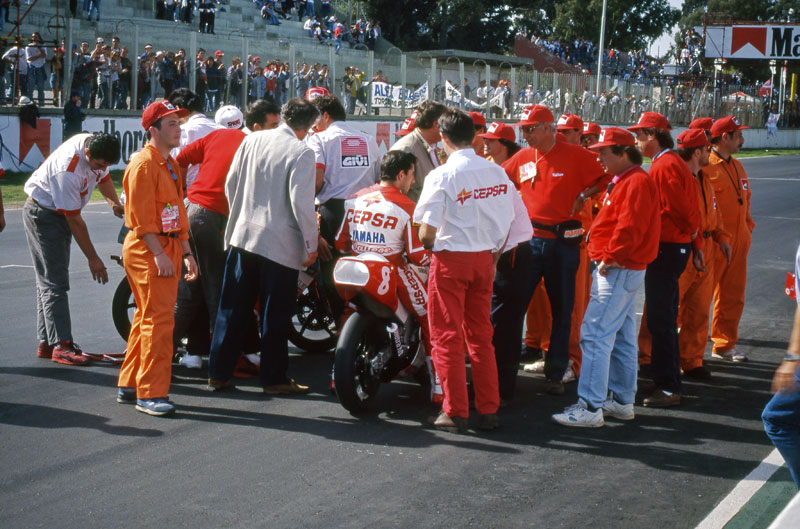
pixel 44 350
pixel 246 369
pixel 68 353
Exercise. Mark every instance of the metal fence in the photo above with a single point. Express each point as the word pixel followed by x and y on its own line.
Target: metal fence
pixel 498 89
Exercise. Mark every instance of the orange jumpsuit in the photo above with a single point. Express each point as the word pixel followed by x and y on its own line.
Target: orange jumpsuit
pixel 695 288
pixel 539 319
pixel 149 187
pixel 732 190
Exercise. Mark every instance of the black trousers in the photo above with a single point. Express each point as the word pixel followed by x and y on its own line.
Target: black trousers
pixel 661 293
pixel 512 291
pixel 331 215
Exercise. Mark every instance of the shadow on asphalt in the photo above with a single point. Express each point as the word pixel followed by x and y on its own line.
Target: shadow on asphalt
pixel 34 416
pixel 725 410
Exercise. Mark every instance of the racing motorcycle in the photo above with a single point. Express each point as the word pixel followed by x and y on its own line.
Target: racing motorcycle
pixel 379 338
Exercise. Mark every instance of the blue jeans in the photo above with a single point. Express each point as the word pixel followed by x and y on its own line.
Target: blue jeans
pixel 94 6
pixel 608 338
pixel 511 293
pixel 212 97
pixel 557 263
pixel 249 278
pixel 36 79
pixel 104 91
pixel 338 44
pixel 309 9
pixel 782 423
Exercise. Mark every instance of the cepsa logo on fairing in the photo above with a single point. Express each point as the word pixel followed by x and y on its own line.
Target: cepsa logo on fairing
pixel 483 192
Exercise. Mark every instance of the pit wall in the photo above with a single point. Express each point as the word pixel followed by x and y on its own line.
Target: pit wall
pixel 23 149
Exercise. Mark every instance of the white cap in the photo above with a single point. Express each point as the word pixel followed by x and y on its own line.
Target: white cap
pixel 25 101
pixel 229 117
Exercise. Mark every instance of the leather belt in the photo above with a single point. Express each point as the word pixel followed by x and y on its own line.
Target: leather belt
pixel 171 235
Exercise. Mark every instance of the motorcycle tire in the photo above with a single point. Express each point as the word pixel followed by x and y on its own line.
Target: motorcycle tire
pixel 355 389
pixel 120 306
pixel 311 328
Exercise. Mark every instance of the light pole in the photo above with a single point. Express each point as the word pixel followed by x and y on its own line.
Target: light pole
pixel 600 49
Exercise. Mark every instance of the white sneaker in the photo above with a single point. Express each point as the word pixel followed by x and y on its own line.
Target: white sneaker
pixel 569 376
pixel 578 415
pixel 622 412
pixel 191 361
pixel 730 356
pixel 536 367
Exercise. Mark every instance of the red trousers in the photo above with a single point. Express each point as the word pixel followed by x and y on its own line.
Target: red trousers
pixel 459 302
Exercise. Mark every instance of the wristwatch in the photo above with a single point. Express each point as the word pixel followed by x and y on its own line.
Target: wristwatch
pixel 187 254
pixel 791 357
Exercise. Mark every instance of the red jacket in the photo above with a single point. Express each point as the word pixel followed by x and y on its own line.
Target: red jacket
pixel 626 229
pixel 214 152
pixel 680 216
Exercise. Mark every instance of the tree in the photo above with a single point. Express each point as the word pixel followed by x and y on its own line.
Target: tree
pixel 630 24
pixel 489 26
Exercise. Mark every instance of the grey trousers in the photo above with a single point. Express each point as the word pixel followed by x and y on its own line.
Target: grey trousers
pixel 49 239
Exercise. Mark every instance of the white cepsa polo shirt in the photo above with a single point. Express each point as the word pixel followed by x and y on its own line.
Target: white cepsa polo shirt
pixel 64 182
pixel 351 160
pixel 470 202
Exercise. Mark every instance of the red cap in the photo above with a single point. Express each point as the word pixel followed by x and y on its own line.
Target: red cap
pixel 478 118
pixel 613 136
pixel 701 123
pixel 316 91
pixel 726 124
pixel 535 114
pixel 256 59
pixel 218 53
pixel 591 128
pixel 158 110
pixel 570 122
pixel 651 120
pixel 406 127
pixel 690 138
pixel 499 131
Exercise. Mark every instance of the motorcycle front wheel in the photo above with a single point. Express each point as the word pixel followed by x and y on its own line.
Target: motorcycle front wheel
pixel 122 308
pixel 356 385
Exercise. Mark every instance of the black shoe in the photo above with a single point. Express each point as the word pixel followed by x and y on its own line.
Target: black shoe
pixel 531 354
pixel 698 373
pixel 554 387
pixel 488 422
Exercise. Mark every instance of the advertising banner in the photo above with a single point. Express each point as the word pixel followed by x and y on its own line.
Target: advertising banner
pixel 753 42
pixel 385 95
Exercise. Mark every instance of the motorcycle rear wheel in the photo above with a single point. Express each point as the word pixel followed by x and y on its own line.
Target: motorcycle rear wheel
pixel 356 386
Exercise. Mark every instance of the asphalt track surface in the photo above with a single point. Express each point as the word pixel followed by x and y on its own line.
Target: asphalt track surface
pixel 70 456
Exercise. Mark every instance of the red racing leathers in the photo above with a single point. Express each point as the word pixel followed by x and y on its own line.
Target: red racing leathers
pixel 378 219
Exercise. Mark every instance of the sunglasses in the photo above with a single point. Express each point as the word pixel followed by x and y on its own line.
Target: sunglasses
pixel 527 129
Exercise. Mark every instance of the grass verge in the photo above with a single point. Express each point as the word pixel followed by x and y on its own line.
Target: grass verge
pixel 13 182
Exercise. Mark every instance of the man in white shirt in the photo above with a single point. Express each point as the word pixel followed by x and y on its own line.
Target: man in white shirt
pixel 36 54
pixel 17 58
pixel 347 160
pixel 58 190
pixel 196 126
pixel 465 211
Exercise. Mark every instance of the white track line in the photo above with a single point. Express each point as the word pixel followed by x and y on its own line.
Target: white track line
pixel 742 492
pixel 16 266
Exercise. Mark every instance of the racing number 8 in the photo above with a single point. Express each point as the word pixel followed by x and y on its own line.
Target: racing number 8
pixel 386 275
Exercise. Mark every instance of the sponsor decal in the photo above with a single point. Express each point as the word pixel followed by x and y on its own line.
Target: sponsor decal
pixel 463 196
pixel 379 220
pixel 367 236
pixel 355 152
